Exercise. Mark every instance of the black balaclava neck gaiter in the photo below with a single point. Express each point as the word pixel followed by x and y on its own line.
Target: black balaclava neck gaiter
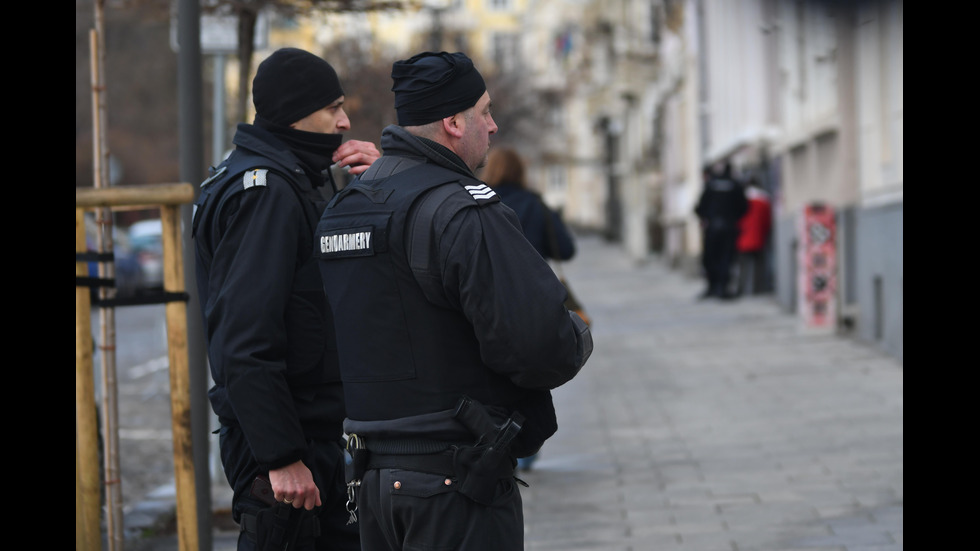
pixel 314 150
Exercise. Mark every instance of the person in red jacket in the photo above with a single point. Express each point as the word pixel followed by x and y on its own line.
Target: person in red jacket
pixel 754 228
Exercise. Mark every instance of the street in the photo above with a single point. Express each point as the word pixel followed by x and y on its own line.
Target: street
pixel 143 391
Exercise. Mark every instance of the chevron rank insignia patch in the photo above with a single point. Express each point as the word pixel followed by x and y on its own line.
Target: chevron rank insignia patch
pixel 481 191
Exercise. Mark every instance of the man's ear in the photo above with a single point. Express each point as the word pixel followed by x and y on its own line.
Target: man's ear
pixel 454 125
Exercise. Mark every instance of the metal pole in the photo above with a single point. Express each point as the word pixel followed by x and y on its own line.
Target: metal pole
pixel 614 209
pixel 217 155
pixel 218 119
pixel 192 169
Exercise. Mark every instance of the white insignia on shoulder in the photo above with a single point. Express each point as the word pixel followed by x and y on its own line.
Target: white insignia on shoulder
pixel 254 177
pixel 481 191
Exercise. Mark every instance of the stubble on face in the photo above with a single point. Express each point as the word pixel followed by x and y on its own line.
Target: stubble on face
pixel 480 126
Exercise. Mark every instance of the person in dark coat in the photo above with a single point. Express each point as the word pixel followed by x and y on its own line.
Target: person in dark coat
pixel 271 347
pixel 720 206
pixel 506 173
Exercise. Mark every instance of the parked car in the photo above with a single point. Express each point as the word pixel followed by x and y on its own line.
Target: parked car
pixel 146 242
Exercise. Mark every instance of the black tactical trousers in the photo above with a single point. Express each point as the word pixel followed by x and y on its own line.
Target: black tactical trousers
pixel 719 255
pixel 326 461
pixel 400 510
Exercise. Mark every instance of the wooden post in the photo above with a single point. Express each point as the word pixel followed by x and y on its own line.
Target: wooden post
pixel 180 403
pixel 88 531
pixel 148 196
pixel 168 197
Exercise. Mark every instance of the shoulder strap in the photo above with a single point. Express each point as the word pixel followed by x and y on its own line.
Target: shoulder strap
pixel 434 186
pixel 419 253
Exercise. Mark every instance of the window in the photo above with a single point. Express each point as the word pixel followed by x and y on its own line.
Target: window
pixel 504 50
pixel 556 116
pixel 556 178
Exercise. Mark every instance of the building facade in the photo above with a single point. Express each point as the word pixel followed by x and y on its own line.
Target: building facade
pixel 805 97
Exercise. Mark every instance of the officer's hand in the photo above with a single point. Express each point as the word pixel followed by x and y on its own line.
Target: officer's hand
pixel 293 484
pixel 357 155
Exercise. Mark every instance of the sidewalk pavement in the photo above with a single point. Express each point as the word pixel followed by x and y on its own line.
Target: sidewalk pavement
pixel 707 426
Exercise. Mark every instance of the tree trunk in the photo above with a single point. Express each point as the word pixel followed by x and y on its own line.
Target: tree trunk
pixel 246 46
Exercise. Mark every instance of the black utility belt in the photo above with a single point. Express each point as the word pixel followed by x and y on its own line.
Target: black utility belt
pixel 437 463
pixel 449 463
pixel 407 446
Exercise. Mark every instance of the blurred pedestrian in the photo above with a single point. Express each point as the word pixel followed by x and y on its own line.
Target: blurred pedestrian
pixel 451 328
pixel 720 206
pixel 271 346
pixel 506 173
pixel 754 229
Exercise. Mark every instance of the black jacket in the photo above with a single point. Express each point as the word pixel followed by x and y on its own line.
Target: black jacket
pixel 534 216
pixel 268 328
pixel 721 204
pixel 456 304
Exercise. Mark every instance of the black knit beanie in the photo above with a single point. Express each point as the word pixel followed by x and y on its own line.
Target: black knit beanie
pixel 430 86
pixel 292 83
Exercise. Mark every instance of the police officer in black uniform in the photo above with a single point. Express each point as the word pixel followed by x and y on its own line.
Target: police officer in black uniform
pixel 451 328
pixel 277 390
pixel 720 206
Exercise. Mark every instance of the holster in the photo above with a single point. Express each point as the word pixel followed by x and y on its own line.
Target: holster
pixel 490 460
pixel 477 467
pixel 479 475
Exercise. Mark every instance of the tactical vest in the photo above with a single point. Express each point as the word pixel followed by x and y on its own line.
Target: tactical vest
pixel 400 354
